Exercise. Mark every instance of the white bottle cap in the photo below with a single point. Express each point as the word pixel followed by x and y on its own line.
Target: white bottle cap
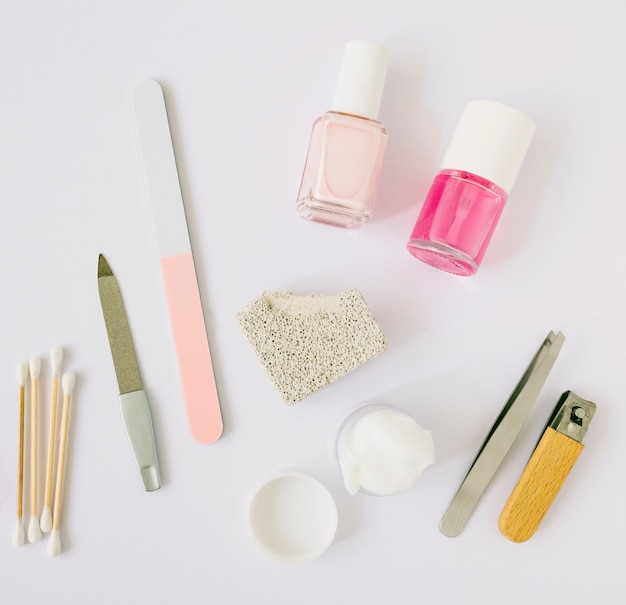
pixel 490 141
pixel 361 79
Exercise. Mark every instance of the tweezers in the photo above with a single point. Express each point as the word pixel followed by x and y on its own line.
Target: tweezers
pixel 501 436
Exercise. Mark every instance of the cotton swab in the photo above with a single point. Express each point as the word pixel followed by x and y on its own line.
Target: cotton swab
pixel 56 357
pixel 34 531
pixel 18 532
pixel 54 545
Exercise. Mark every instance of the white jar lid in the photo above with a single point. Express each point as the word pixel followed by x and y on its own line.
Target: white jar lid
pixel 490 141
pixel 361 79
pixel 293 517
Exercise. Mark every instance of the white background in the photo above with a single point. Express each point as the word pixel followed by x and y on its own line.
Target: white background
pixel 244 82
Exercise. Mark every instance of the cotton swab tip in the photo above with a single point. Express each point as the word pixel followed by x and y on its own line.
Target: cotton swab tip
pixel 35 367
pixel 34 531
pixel 46 519
pixel 18 534
pixel 56 357
pixel 22 373
pixel 69 380
pixel 54 544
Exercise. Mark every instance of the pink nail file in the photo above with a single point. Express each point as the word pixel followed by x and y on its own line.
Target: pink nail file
pixel 177 266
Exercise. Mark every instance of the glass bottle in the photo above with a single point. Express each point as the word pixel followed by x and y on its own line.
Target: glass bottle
pixel 466 198
pixel 347 145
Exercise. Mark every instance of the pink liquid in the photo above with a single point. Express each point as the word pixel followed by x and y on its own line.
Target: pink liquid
pixel 342 170
pixel 456 222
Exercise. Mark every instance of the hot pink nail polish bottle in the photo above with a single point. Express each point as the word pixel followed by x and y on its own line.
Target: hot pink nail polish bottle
pixel 467 196
pixel 347 143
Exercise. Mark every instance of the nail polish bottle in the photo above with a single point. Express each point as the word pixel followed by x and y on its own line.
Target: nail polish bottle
pixel 347 145
pixel 467 196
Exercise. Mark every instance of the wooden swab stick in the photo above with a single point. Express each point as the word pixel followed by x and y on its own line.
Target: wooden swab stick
pixel 54 545
pixel 34 531
pixel 18 532
pixel 56 356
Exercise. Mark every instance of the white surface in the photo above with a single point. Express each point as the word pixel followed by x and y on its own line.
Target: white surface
pixel 293 517
pixel 158 163
pixel 244 82
pixel 361 79
pixel 491 141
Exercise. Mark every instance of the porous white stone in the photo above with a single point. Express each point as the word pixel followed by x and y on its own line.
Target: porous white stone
pixel 306 342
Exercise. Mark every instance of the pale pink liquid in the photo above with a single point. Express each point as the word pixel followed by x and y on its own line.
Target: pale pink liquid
pixel 456 222
pixel 342 170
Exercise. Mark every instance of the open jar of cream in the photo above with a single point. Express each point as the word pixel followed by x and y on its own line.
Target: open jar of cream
pixel 382 450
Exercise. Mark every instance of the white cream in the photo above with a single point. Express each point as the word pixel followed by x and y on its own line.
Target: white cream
pixel 383 451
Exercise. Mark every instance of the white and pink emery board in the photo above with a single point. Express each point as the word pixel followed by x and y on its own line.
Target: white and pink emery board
pixel 177 265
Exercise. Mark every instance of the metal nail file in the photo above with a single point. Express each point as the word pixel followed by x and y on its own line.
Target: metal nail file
pixel 501 436
pixel 548 467
pixel 133 400
pixel 177 263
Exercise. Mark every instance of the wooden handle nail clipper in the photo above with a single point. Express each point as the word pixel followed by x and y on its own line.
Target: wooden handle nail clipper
pixel 548 467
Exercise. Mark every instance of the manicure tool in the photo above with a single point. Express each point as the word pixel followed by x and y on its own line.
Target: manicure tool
pixel 177 264
pixel 34 531
pixel 548 467
pixel 133 400
pixel 54 546
pixel 56 357
pixel 501 436
pixel 22 377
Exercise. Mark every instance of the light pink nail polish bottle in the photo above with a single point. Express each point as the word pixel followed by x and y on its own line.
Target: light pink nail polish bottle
pixel 467 196
pixel 347 143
